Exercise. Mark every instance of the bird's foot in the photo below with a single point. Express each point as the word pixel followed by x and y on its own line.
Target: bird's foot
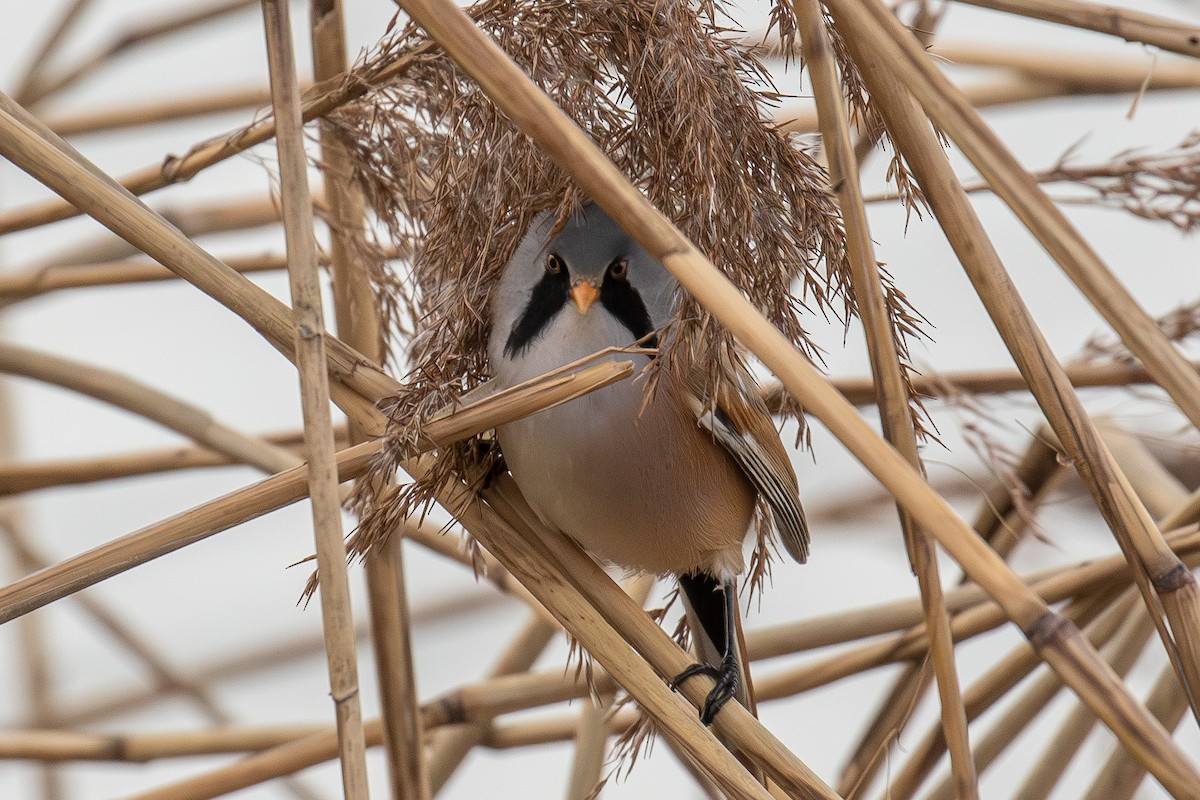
pixel 727 683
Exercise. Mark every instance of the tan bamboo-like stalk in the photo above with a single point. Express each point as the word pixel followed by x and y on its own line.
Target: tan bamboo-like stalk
pixel 31 146
pixel 1122 631
pixel 449 746
pixel 52 745
pixel 218 515
pixel 998 522
pixel 42 87
pixel 1094 72
pixel 304 279
pixel 591 742
pixel 192 219
pixel 1052 586
pixel 41 281
pixel 150 112
pixel 508 735
pixel 1121 775
pixel 257 660
pixel 1122 651
pixel 319 101
pixel 1002 677
pixel 883 51
pixel 19 477
pixel 36 658
pixel 1015 186
pixel 1059 642
pixel 130 639
pixel 1129 24
pixel 591 732
pixel 893 400
pixel 62 28
pixel 359 326
pixel 133 396
pixel 542 559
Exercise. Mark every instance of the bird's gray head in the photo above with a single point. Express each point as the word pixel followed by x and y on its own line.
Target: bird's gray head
pixel 590 266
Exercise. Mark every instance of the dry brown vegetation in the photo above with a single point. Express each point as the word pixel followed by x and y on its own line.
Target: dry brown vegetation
pixel 433 151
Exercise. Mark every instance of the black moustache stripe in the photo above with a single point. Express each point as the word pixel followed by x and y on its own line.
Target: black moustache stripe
pixel 549 296
pixel 624 303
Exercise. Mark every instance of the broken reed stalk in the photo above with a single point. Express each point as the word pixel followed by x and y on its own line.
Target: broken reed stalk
pixel 137 398
pixel 359 326
pixel 885 50
pixel 325 500
pixel 1058 641
pixel 1129 24
pixel 895 411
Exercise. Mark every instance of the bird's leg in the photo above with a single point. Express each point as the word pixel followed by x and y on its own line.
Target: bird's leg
pixel 713 604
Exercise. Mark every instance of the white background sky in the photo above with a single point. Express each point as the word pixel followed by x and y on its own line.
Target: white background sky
pixel 234 592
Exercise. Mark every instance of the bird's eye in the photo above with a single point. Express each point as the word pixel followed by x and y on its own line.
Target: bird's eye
pixel 554 264
pixel 619 268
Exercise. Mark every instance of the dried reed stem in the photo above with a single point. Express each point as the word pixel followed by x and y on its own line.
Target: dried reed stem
pixel 320 101
pixel 66 22
pixel 34 148
pixel 1129 24
pixel 1122 651
pixel 1135 531
pixel 1059 642
pixel 1021 192
pixel 279 490
pixel 1121 774
pixel 137 398
pixel 449 746
pixel 304 279
pixel 359 325
pixel 890 388
pixel 149 112
pixel 42 86
pixel 194 220
pixel 986 691
pixel 525 553
pixel 20 477
pixel 17 286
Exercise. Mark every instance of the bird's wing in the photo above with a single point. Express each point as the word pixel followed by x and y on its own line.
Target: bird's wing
pixel 742 425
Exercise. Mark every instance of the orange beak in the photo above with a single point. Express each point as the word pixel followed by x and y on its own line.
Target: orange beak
pixel 584 293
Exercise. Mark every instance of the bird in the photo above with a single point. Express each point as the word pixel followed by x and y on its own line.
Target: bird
pixel 661 483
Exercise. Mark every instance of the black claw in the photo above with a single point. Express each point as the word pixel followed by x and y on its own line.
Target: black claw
pixel 693 671
pixel 727 684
